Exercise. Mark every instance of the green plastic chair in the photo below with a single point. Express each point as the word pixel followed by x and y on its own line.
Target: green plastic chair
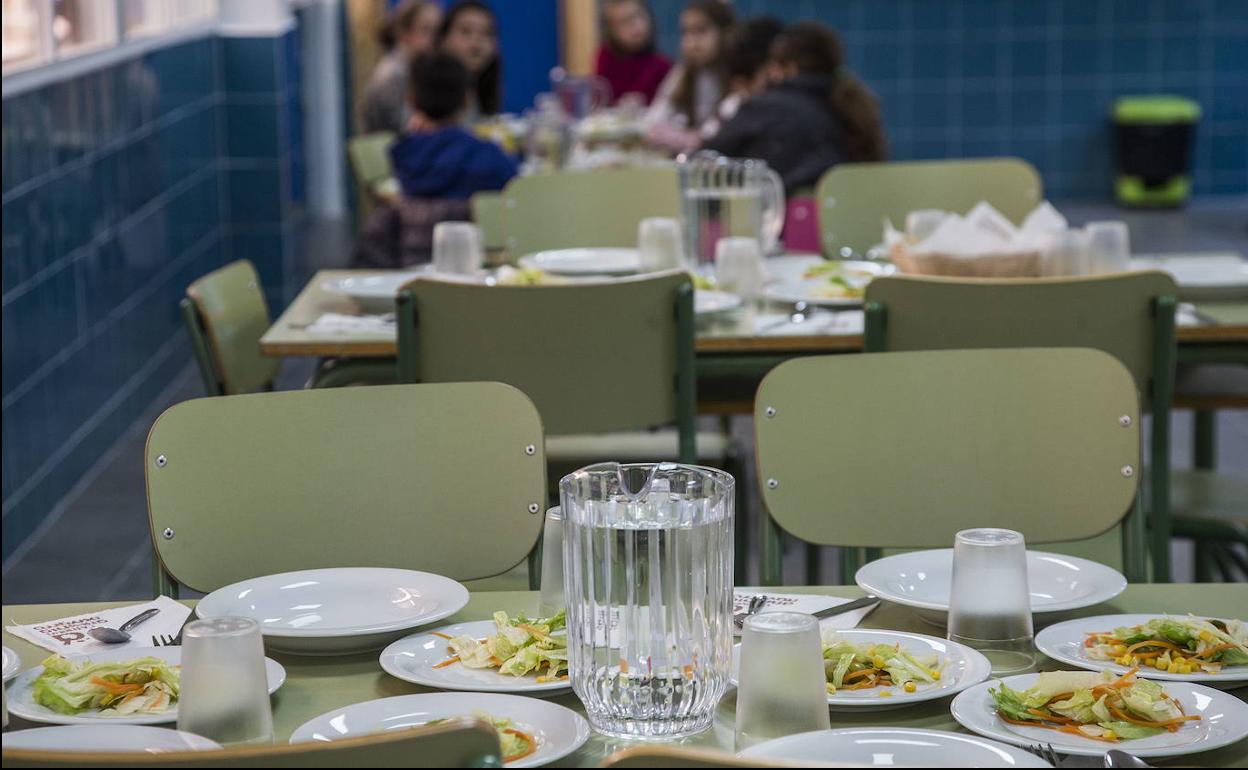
pixel 856 198
pixel 385 476
pixel 573 209
pixel 1128 315
pixel 680 756
pixel 905 449
pixel 459 742
pixel 487 212
pixel 226 314
pixel 369 156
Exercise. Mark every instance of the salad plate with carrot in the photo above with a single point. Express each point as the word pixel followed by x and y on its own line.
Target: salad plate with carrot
pixel 506 654
pixel 1089 712
pixel 1173 648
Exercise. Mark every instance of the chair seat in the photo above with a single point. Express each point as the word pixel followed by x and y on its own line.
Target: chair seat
pixel 1209 497
pixel 633 446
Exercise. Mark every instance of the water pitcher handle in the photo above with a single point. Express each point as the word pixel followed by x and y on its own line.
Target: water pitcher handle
pixel 600 93
pixel 773 211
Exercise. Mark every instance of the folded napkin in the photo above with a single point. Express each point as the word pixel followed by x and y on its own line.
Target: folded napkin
pixel 817 322
pixel 68 636
pixel 806 603
pixel 341 323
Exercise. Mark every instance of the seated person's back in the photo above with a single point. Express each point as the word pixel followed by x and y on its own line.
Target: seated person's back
pixel 817 115
pixel 437 157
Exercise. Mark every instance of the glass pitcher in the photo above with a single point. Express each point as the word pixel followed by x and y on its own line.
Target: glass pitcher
pixel 724 197
pixel 648 584
pixel 580 95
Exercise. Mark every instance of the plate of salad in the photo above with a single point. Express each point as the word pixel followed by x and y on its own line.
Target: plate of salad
pixel 129 686
pixel 1191 648
pixel 532 732
pixel 506 654
pixel 833 283
pixel 871 669
pixel 1088 712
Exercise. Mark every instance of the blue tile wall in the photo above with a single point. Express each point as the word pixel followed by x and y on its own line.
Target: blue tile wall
pixel 1037 78
pixel 121 187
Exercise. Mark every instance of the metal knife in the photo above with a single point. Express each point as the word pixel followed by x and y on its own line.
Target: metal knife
pixel 848 607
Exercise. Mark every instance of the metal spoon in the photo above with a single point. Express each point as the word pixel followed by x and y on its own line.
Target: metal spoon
pixel 1119 758
pixel 120 635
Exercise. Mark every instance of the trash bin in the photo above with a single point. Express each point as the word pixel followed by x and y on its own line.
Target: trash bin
pixel 1154 137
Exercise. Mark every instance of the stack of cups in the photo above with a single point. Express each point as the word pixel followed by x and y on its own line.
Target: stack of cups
pixel 782 687
pixel 659 244
pixel 457 248
pixel 552 602
pixel 224 692
pixel 990 602
pixel 1109 247
pixel 739 266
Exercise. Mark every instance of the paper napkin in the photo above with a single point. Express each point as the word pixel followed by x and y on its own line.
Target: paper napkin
pixel 806 603
pixel 68 636
pixel 341 323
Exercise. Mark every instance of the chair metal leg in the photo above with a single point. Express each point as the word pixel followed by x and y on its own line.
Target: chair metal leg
pixel 1203 562
pixel 771 551
pixel 1204 439
pixel 535 566
pixel 814 564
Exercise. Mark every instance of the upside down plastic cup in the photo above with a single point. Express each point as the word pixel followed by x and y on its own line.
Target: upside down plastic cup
pixel 457 248
pixel 552 601
pixel 989 601
pixel 781 686
pixel 224 693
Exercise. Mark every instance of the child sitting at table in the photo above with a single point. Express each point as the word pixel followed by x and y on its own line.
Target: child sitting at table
pixel 750 69
pixel 688 95
pixel 438 163
pixel 627 59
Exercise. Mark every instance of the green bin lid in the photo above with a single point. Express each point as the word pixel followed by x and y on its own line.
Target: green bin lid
pixel 1156 109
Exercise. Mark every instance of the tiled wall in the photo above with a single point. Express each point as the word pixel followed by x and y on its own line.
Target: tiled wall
pixel 120 187
pixel 1037 78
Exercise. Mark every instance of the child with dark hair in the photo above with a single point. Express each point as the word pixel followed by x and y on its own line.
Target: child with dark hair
pixel 438 158
pixel 689 94
pixel 817 115
pixel 408 32
pixel 627 59
pixel 748 64
pixel 470 33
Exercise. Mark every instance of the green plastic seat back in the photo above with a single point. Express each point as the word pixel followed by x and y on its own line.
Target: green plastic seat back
pixel 460 742
pixel 487 212
pixel 1113 313
pixel 681 756
pixel 230 315
pixel 594 357
pixel 574 209
pixel 431 477
pixel 856 198
pixel 369 156
pixel 905 449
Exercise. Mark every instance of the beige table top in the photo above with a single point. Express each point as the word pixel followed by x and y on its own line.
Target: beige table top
pixel 316 685
pixel 728 333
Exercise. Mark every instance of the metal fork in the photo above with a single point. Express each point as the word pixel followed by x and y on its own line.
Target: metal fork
pixel 163 640
pixel 1044 751
pixel 756 603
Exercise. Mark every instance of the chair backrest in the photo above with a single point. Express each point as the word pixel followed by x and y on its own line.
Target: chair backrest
pixel 856 198
pixel 571 209
pixel 226 314
pixel 905 449
pixel 369 156
pixel 383 476
pixel 594 357
pixel 487 212
pixel 460 742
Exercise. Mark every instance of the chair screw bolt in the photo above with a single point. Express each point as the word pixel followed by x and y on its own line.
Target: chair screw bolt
pixel 772 483
pixel 161 461
pixel 1128 471
pixel 168 533
pixel 1125 420
pixel 770 411
pixel 534 508
pixel 530 449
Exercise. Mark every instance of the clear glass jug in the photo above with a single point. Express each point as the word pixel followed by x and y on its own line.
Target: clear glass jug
pixel 648 583
pixel 725 197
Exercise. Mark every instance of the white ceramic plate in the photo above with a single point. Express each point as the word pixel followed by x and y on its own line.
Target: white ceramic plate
pixel 12 664
pixel 709 302
pixel 921 579
pixel 962 668
pixel 893 747
pixel 112 738
pixel 793 287
pixel 339 610
pixel 1064 642
pixel 1201 276
pixel 593 261
pixel 373 293
pixel 1223 721
pixel 559 731
pixel 414 659
pixel 22 702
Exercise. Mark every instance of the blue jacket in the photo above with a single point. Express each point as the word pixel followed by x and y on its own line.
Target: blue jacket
pixel 448 163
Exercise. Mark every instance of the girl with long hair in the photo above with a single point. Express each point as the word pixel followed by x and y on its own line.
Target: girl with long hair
pixel 689 94
pixel 470 33
pixel 627 59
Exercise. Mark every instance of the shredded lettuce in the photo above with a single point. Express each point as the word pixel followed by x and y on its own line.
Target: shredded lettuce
pixel 140 686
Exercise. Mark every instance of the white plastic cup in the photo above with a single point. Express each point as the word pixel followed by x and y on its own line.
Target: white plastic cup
pixel 781 686
pixel 659 243
pixel 990 600
pixel 739 266
pixel 552 601
pixel 457 248
pixel 1109 247
pixel 224 692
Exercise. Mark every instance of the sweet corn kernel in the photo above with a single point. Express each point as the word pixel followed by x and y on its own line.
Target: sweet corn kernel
pixel 936 675
pixel 1121 649
pixel 1206 636
pixel 878 662
pixel 1109 735
pixel 831 689
pixel 1160 665
pixel 909 687
pixel 1173 668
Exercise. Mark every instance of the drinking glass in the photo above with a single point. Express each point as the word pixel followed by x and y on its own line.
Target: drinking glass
pixel 648 580
pixel 1109 246
pixel 552 601
pixel 989 602
pixel 457 248
pixel 781 686
pixel 739 266
pixel 659 243
pixel 224 693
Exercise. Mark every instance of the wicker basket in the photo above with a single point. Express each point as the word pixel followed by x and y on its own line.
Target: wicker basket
pixel 1027 264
